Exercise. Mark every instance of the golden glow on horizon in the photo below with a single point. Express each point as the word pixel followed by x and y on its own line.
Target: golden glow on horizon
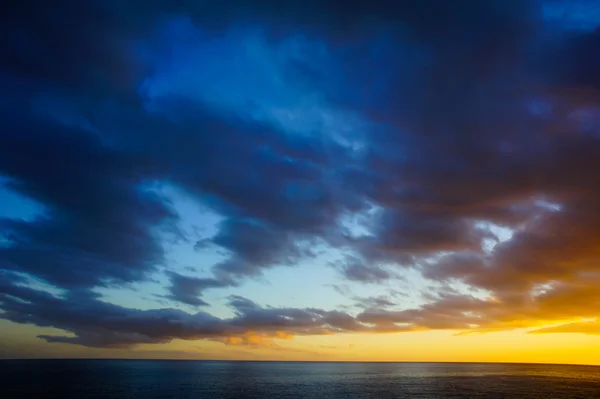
pixel 427 346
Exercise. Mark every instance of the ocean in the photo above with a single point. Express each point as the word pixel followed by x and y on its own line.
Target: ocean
pixel 274 380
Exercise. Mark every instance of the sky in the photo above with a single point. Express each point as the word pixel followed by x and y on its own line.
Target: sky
pixel 302 180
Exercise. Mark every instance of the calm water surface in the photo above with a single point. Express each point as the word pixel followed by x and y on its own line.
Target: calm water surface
pixel 273 380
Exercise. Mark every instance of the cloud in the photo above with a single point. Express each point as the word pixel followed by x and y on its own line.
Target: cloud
pixel 587 327
pixel 257 339
pixel 99 224
pixel 187 289
pixel 378 302
pixel 464 123
pixel 355 270
pixel 103 222
pixel 254 246
pixel 579 62
pixel 95 323
pixel 455 311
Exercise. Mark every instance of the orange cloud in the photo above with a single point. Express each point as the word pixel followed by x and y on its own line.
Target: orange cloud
pixel 584 327
pixel 256 338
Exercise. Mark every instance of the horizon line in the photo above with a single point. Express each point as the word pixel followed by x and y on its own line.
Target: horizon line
pixel 301 361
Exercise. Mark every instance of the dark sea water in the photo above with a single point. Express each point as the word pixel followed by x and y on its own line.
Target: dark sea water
pixel 273 380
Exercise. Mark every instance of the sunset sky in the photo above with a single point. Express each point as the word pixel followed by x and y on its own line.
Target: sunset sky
pixel 413 180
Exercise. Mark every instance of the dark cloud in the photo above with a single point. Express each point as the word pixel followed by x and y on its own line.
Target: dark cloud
pixel 98 223
pixel 90 53
pixel 356 270
pixel 457 265
pixel 579 61
pixel 496 23
pixel 275 190
pixel 102 224
pixel 99 324
pixel 187 289
pixel 254 246
pixel 467 124
pixel 416 232
pixel 95 45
